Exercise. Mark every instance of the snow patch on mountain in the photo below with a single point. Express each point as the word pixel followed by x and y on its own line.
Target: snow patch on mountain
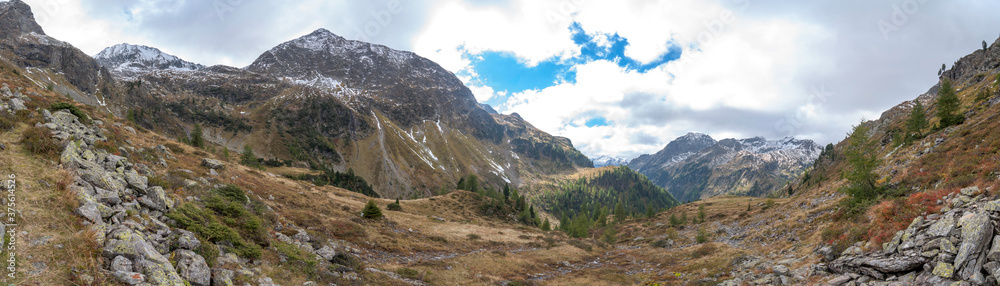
pixel 603 160
pixel 130 61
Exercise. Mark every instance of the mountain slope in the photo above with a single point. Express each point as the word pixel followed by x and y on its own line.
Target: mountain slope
pixel 48 61
pixel 127 61
pixel 695 166
pixel 404 124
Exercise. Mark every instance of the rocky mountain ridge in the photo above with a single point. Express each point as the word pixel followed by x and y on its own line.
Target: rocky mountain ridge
pixel 604 160
pixel 695 166
pixel 128 61
pixel 400 121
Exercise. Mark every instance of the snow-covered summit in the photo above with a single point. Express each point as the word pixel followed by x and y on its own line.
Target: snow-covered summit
pixel 605 160
pixel 129 60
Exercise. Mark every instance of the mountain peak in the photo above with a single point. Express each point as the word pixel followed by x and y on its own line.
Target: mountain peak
pixel 130 60
pixel 16 19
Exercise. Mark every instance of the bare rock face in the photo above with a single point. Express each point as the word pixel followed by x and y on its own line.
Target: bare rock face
pixel 958 246
pixel 25 39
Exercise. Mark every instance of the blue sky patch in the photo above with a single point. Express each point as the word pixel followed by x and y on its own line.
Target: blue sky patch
pixel 503 71
pixel 597 121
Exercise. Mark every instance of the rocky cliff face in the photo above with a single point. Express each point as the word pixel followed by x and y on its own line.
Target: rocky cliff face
pixel 23 42
pixel 695 166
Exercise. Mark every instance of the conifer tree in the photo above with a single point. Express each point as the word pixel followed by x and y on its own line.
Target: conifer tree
pixel 947 106
pixel 371 210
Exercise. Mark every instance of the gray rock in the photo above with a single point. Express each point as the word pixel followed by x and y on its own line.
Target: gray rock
pixel 17 104
pixel 840 280
pixel 994 253
pixel 125 242
pixel 266 281
pixel 942 227
pixel 212 164
pixel 90 212
pixel 977 230
pixel 970 191
pixel 156 199
pixel 826 253
pixel 192 267
pixel 222 277
pixel 122 264
pixel 130 278
pixel 780 270
pixel 326 252
pixel 184 239
pixel 302 236
pixel 136 181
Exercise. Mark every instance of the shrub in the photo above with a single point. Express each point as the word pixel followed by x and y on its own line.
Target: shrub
pixel 72 109
pixel 38 141
pixel 7 122
pixel 410 273
pixel 227 215
pixel 371 211
pixel 661 243
pixel 473 236
pixel 395 206
pixel 174 148
pixel 702 236
pixel 704 250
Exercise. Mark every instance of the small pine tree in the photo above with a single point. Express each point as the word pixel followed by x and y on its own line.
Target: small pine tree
pixel 506 192
pixel 862 181
pixel 546 226
pixel 674 221
pixel 196 137
pixel 701 213
pixel 947 106
pixel 917 122
pixel 684 217
pixel 984 45
pixel 371 211
pixel 619 212
pixel 248 158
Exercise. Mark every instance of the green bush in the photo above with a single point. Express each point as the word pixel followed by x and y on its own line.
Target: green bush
pixel 702 236
pixel 473 236
pixel 227 215
pixel 72 109
pixel 371 210
pixel 7 122
pixel 395 206
pixel 410 273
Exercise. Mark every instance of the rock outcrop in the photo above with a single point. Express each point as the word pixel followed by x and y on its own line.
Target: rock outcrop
pixel 957 245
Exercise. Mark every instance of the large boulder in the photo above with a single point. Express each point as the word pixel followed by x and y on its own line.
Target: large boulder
pixel 212 164
pixel 192 267
pixel 157 199
pixel 977 230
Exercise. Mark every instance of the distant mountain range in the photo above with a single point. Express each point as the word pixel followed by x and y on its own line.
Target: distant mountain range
pixel 602 161
pixel 696 166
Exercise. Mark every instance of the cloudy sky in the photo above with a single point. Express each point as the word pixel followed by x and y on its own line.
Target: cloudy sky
pixel 619 78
